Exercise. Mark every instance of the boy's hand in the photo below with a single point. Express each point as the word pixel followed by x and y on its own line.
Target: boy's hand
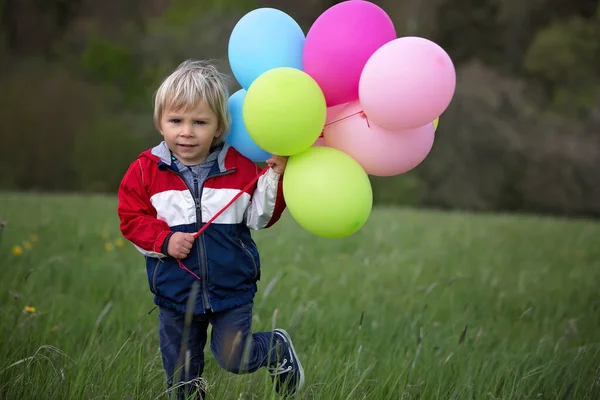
pixel 278 163
pixel 180 244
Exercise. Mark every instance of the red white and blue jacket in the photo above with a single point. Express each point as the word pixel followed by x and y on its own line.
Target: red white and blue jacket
pixel 155 201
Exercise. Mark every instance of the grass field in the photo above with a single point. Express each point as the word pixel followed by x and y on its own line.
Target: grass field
pixel 417 305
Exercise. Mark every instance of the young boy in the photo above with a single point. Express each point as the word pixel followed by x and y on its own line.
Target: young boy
pixel 167 195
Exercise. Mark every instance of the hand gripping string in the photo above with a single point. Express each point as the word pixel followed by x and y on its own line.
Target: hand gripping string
pixel 210 221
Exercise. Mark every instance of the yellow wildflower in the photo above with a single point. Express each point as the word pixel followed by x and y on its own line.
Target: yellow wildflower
pixel 104 235
pixel 108 246
pixel 119 242
pixel 17 250
pixel 27 245
pixel 33 238
pixel 29 309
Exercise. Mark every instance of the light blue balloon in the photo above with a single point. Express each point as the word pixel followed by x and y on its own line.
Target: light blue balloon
pixel 237 136
pixel 263 39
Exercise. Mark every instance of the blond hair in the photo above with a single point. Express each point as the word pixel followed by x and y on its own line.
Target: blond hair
pixel 191 83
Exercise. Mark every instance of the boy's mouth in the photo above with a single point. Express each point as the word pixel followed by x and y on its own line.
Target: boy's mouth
pixel 187 145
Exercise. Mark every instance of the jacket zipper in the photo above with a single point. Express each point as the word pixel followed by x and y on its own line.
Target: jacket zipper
pixel 200 242
pixel 251 257
pixel 201 249
pixel 201 245
pixel 196 194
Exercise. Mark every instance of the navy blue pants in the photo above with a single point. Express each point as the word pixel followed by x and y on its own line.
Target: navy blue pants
pixel 233 344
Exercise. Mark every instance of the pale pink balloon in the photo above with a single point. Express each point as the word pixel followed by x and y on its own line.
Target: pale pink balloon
pixel 333 111
pixel 380 151
pixel 319 142
pixel 340 42
pixel 407 83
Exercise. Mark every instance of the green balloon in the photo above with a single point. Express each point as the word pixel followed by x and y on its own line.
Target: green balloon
pixel 327 192
pixel 284 111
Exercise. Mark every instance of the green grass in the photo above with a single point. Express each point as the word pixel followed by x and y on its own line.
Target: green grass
pixel 456 306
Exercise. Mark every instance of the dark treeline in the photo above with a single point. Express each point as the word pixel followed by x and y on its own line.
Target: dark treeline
pixel 522 133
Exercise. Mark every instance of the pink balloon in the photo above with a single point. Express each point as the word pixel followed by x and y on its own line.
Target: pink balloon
pixel 333 112
pixel 340 42
pixel 319 142
pixel 380 151
pixel 407 83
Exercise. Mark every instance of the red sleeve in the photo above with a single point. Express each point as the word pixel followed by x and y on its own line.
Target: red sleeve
pixel 279 203
pixel 137 216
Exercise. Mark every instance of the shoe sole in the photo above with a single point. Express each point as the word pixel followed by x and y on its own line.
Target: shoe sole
pixel 289 340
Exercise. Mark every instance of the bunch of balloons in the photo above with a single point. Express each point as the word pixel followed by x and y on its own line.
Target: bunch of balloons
pixel 347 100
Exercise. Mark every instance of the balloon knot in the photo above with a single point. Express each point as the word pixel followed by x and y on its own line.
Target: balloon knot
pixel 364 116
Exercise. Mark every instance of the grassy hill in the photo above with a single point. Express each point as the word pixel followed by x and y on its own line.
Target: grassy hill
pixel 418 304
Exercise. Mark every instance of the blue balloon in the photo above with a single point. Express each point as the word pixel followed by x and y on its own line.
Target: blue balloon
pixel 237 136
pixel 264 39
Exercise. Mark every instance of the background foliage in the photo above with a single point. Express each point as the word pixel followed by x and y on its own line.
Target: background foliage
pixel 522 133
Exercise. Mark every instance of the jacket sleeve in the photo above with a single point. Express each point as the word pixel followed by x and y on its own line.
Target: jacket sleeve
pixel 137 216
pixel 267 202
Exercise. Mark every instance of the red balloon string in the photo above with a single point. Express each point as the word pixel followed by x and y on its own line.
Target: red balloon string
pixel 364 116
pixel 349 116
pixel 361 113
pixel 182 266
pixel 210 221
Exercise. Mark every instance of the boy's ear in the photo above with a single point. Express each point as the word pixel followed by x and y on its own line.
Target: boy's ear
pixel 157 126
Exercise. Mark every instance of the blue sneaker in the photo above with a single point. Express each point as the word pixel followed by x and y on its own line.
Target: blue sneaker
pixel 288 370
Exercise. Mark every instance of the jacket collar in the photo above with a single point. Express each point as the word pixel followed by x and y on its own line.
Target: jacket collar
pixel 163 155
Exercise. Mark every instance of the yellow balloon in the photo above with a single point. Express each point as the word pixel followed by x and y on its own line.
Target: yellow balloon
pixel 327 192
pixel 435 123
pixel 284 111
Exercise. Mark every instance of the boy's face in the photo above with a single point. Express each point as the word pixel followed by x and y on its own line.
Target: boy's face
pixel 189 134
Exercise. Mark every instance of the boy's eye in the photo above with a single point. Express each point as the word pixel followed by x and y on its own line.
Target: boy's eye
pixel 200 122
pixel 174 120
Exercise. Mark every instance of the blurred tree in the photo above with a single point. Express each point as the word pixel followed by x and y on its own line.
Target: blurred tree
pixel 520 134
pixel 564 56
pixel 499 32
pixel 32 26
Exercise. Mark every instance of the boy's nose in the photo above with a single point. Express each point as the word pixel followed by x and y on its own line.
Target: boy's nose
pixel 186 131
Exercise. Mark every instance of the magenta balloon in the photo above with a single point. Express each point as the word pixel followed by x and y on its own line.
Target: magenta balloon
pixel 407 83
pixel 340 42
pixel 380 151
